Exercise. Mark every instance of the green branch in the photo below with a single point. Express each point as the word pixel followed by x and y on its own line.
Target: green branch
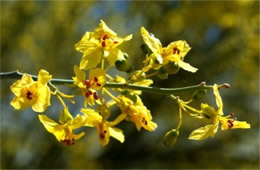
pixel 162 91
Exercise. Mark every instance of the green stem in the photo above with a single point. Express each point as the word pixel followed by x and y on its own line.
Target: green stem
pixel 162 91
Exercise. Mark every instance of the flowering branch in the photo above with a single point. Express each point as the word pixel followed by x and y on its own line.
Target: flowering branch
pixel 163 91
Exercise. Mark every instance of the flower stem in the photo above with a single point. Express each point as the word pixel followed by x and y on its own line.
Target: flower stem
pixel 155 90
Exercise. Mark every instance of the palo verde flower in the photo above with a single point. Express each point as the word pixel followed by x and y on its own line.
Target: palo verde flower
pixel 105 130
pixel 102 42
pixel 97 79
pixel 174 52
pixel 31 93
pixel 63 130
pixel 139 114
pixel 209 114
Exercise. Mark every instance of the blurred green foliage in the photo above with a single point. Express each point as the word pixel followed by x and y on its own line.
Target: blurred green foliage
pixel 224 37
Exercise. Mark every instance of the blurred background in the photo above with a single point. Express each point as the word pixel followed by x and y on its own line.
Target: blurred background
pixel 224 37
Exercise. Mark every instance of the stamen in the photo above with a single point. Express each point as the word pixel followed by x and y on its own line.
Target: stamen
pixel 105 131
pixel 95 79
pixel 103 43
pixel 176 50
pixel 98 84
pixel 87 83
pixel 88 93
pixel 95 95
pixel 101 136
pixel 29 95
pixel 105 37
pixel 230 123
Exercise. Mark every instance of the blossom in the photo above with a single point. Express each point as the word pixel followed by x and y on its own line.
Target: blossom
pixel 32 93
pixel 63 131
pixel 102 42
pixel 139 114
pixel 104 128
pixel 174 52
pixel 89 87
pixel 209 114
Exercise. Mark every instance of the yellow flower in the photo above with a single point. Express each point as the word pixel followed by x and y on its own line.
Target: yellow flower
pixel 209 114
pixel 139 114
pixel 97 79
pixel 63 131
pixel 31 93
pixel 102 42
pixel 174 52
pixel 105 130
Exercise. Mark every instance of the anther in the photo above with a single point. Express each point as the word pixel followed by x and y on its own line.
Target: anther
pixel 102 136
pixel 95 95
pixel 29 95
pixel 105 37
pixel 88 93
pixel 98 84
pixel 87 83
pixel 103 43
pixel 95 79
pixel 230 123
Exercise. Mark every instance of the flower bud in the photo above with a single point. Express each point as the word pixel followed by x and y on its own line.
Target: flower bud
pixel 171 68
pixel 144 48
pixel 123 65
pixel 170 137
pixel 65 116
pixel 162 74
pixel 199 94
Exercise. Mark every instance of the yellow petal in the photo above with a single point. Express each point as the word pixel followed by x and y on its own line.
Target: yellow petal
pixel 218 99
pixel 52 127
pixel 92 117
pixel 153 43
pixel 43 100
pixel 86 43
pixel 104 28
pixel 80 77
pixel 19 104
pixel 113 55
pixel 187 66
pixel 17 86
pixel 204 132
pixel 91 60
pixel 44 77
pixel 234 124
pixel 78 122
pixel 117 134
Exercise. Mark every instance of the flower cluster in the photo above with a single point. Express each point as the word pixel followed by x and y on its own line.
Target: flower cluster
pixel 101 52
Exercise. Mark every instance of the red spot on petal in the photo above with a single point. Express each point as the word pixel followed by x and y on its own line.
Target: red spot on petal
pixel 95 79
pixel 115 42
